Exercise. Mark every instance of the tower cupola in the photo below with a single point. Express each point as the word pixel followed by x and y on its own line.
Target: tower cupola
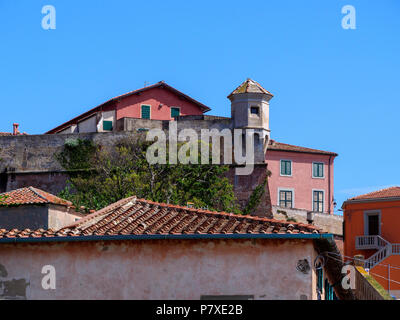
pixel 250 106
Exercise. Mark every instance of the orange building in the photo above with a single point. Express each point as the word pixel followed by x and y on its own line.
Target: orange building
pixel 372 229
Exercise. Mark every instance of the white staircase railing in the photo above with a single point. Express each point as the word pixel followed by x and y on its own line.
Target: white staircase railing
pixel 385 249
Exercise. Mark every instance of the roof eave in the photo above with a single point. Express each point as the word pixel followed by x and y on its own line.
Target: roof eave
pixel 325 153
pixel 387 199
pixel 301 236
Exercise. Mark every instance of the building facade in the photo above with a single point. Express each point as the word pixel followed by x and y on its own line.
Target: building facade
pixel 301 177
pixel 371 234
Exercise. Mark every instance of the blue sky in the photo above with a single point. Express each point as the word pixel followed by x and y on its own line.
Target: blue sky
pixel 334 89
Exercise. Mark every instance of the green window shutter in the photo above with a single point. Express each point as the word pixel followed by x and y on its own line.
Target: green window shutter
pixel 175 112
pixel 107 125
pixel 145 112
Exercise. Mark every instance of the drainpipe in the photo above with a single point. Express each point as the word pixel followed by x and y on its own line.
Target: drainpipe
pixel 329 185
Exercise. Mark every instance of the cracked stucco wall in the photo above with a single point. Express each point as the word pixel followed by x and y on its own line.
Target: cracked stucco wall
pixel 159 269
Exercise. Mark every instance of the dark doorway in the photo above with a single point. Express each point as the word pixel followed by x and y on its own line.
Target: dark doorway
pixel 373 225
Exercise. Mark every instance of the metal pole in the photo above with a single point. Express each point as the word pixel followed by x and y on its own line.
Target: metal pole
pixel 389 276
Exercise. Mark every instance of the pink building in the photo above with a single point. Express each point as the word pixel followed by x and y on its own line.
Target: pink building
pixel 156 102
pixel 301 178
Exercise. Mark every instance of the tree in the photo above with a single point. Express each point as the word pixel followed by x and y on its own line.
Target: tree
pixel 100 176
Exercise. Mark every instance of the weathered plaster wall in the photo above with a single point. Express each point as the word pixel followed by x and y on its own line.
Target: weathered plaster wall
pixel 162 269
pixel 60 216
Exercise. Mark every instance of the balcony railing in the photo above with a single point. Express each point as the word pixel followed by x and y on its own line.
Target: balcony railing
pixel 385 249
pixel 370 242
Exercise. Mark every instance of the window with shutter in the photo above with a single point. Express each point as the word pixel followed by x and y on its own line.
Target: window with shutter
pixel 107 125
pixel 175 112
pixel 145 112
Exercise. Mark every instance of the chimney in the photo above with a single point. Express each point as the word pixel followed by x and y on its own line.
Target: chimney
pixel 15 129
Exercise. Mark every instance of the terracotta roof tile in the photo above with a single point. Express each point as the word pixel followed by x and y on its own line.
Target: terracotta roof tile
pixel 30 195
pixel 250 86
pixel 133 216
pixel 393 192
pixel 278 146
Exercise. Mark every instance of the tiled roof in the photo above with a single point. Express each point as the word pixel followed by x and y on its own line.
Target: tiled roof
pixel 30 195
pixel 278 146
pixel 133 216
pixel 250 86
pixel 393 192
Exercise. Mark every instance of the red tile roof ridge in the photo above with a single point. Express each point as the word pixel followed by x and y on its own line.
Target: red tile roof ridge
pixel 380 194
pixel 100 212
pixel 275 144
pixel 229 214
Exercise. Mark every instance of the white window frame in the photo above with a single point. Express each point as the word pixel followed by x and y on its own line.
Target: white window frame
pixel 285 189
pixel 323 200
pixel 280 168
pixel 323 169
pixel 368 213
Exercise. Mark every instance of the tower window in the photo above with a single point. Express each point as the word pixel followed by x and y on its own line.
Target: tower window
pixel 255 111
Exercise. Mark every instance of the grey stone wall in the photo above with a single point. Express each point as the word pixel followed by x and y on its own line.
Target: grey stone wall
pixel 30 160
pixel 327 222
